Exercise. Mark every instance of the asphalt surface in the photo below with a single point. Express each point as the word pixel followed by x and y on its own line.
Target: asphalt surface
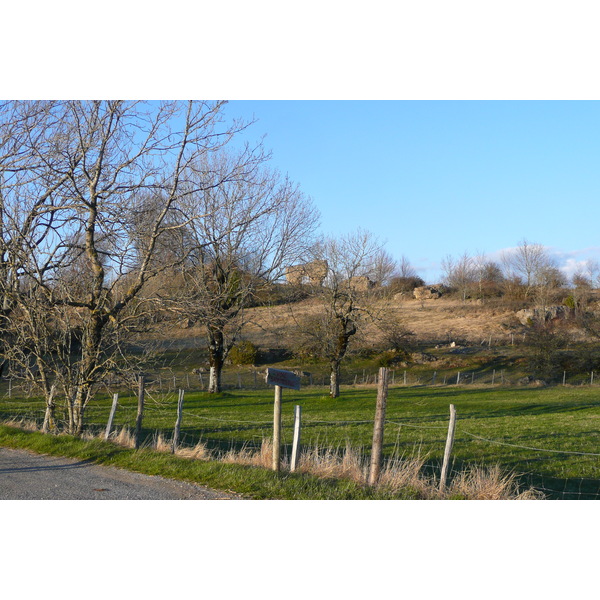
pixel 28 476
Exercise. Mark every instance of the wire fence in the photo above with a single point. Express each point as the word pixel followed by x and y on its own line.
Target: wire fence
pixel 549 470
pixel 163 385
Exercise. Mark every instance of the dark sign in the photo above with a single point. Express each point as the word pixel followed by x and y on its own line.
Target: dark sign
pixel 284 379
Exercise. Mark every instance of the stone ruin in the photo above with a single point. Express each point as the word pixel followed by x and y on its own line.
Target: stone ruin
pixel 312 273
pixel 426 292
pixel 361 283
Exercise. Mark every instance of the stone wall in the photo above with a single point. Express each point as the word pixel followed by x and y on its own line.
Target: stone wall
pixel 313 273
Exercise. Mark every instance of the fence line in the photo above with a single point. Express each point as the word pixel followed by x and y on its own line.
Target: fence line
pixel 400 377
pixel 529 447
pixel 587 486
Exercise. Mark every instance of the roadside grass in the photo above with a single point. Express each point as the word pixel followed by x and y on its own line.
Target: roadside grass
pixel 323 474
pixel 548 438
pixel 248 481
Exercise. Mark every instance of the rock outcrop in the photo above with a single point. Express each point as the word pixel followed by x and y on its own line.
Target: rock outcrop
pixel 426 292
pixel 527 316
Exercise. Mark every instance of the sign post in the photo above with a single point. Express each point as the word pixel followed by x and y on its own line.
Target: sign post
pixel 280 379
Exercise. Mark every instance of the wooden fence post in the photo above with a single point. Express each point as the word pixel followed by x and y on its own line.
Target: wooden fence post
pixel 448 450
pixel 296 443
pixel 377 450
pixel 493 376
pixel 178 421
pixel 111 417
pixel 10 388
pixel 458 378
pixel 140 412
pixel 277 429
pixel 564 377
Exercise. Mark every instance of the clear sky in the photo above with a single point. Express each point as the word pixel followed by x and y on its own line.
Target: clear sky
pixel 438 178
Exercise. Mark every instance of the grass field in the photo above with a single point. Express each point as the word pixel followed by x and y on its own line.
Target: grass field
pixel 550 436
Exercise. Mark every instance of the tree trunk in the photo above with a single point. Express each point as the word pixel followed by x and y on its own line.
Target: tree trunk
pixel 216 361
pixel 50 418
pixel 214 381
pixel 334 380
pixel 77 409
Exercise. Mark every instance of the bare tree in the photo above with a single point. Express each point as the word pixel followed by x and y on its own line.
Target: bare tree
pixel 384 268
pixel 110 161
pixel 405 269
pixel 460 274
pixel 346 299
pixel 487 275
pixel 527 262
pixel 28 187
pixel 255 223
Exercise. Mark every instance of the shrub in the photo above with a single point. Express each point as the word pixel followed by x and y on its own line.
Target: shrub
pixel 391 358
pixel 243 353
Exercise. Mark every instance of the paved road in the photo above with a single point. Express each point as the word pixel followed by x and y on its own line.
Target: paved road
pixel 28 476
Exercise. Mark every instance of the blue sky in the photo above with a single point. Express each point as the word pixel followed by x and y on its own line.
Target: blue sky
pixel 438 178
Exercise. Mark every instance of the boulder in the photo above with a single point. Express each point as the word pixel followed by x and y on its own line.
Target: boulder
pixel 421 358
pixel 551 313
pixel 426 292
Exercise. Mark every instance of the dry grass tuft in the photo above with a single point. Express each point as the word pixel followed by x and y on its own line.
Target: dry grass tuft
pixel 198 452
pixel 22 423
pixel 124 438
pixel 332 463
pixel 400 473
pixel 488 483
pixel 254 458
pixel 161 444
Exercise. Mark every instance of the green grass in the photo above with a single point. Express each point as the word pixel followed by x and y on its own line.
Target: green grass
pixel 530 431
pixel 251 482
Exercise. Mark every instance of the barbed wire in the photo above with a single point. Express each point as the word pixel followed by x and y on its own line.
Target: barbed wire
pixel 529 447
pixel 444 427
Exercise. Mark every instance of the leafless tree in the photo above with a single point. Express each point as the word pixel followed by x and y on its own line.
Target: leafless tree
pixel 527 262
pixel 346 300
pixel 460 274
pixel 488 276
pixel 109 162
pixel 28 216
pixel 405 269
pixel 255 223
pixel 384 269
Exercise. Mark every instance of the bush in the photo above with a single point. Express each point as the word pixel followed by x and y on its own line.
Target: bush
pixel 404 284
pixel 391 359
pixel 243 353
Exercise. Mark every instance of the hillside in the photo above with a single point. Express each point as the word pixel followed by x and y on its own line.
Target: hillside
pixel 433 321
pixel 438 320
